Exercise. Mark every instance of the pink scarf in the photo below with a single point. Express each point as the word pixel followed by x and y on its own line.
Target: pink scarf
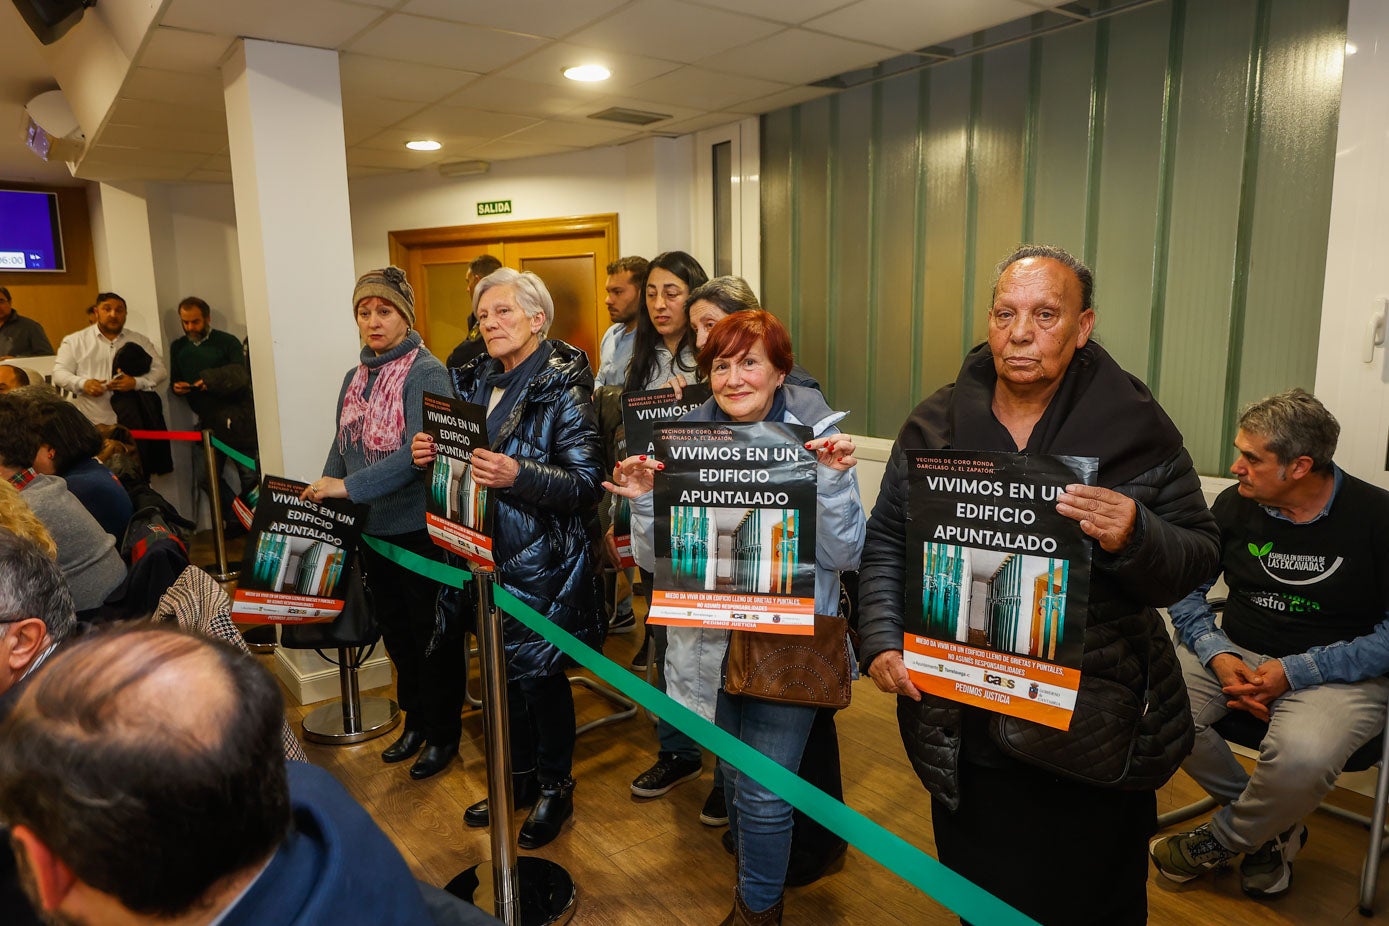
pixel 378 423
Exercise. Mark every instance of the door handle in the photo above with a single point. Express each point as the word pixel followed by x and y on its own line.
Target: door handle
pixel 1374 330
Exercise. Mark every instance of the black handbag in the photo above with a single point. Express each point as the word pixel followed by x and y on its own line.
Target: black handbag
pixel 355 626
pixel 1101 748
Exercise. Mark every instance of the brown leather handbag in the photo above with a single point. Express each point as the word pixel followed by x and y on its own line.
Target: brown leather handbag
pixel 813 670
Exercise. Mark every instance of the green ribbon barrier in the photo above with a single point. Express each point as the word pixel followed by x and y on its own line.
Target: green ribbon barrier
pixel 236 455
pixel 962 896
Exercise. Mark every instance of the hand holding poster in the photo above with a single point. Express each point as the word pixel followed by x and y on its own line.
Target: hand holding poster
pixel 996 602
pixel 296 555
pixel 456 509
pixel 641 412
pixel 735 527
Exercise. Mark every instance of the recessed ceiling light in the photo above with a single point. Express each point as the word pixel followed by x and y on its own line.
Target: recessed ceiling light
pixel 423 144
pixel 1350 48
pixel 588 73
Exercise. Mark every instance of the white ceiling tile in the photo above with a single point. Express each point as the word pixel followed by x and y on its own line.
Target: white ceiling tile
pixel 669 29
pixel 180 50
pixel 785 98
pixel 394 139
pixel 363 116
pixel 792 12
pixel 505 150
pixel 553 18
pixel 155 114
pixel 796 56
pixel 443 121
pixel 190 89
pixel 503 94
pixel 400 159
pixel 147 156
pixel 547 67
pixel 220 161
pixel 432 41
pixel 907 25
pixel 399 80
pixel 577 134
pixel 699 123
pixel 357 172
pixel 142 136
pixel 702 89
pixel 315 23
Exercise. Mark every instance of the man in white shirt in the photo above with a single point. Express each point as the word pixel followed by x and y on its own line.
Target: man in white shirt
pixel 84 365
pixel 626 298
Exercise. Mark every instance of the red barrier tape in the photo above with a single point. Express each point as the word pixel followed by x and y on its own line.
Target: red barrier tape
pixel 167 435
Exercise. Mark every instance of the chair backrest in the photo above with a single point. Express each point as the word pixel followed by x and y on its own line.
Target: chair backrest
pixel 199 605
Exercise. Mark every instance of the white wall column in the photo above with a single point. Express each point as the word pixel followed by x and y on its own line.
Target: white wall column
pixel 124 253
pixel 294 234
pixel 1351 373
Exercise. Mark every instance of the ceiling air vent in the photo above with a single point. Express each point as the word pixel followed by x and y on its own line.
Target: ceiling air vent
pixel 629 116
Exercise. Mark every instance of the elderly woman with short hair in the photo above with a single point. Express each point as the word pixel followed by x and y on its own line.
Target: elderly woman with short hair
pixel 543 474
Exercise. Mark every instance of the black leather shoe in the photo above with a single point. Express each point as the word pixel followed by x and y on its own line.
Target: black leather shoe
pixel 556 805
pixel 433 760
pixel 524 791
pixel 410 742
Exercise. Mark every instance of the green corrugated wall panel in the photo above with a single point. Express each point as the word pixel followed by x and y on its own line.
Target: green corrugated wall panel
pixel 894 265
pixel 944 154
pixel 1005 135
pixel 812 345
pixel 998 171
pixel 1129 184
pixel 1300 97
pixel 1063 129
pixel 778 194
pixel 1205 210
pixel 850 222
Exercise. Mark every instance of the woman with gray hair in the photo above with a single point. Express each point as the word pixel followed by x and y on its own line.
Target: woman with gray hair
pixel 544 476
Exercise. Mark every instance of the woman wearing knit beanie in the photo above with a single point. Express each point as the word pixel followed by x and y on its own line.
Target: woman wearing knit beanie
pixel 380 403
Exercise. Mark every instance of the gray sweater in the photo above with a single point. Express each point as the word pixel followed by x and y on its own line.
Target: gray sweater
pixel 86 553
pixel 393 488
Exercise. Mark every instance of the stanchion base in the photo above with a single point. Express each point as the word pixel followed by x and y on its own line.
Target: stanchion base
pixel 231 575
pixel 324 724
pixel 546 891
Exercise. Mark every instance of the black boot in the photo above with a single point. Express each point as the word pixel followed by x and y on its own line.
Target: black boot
pixel 556 805
pixel 433 760
pixel 524 791
pixel 410 742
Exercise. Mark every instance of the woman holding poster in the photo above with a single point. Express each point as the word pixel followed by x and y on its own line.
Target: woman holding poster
pixel 746 360
pixel 543 472
pixel 1040 386
pixel 380 403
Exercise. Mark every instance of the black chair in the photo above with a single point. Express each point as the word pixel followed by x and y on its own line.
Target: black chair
pixel 1246 730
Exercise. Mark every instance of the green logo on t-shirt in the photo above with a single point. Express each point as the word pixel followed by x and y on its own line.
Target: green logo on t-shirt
pixel 1260 552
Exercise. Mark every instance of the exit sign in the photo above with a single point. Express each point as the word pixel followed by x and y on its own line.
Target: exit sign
pixel 496 207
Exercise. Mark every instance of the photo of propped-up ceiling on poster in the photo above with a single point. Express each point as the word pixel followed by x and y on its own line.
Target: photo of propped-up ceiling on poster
pixel 296 556
pixel 735 527
pixel 457 509
pixel 997 581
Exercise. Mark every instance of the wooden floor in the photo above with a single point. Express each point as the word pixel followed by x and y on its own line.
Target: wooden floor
pixel 647 863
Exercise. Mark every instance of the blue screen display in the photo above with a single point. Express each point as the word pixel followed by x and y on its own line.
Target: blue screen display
pixel 29 235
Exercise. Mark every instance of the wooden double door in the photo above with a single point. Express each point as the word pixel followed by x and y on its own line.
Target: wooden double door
pixel 571 255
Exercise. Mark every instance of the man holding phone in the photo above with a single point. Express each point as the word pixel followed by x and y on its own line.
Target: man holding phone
pixel 85 365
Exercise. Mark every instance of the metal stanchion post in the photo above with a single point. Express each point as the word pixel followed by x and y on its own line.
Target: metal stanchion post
pixel 214 492
pixel 355 719
pixel 528 891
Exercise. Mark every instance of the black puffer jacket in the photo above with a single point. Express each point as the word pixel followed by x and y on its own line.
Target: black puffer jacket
pixel 545 533
pixel 1173 549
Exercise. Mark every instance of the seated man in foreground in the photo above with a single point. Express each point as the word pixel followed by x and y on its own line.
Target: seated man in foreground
pixel 1304 644
pixel 142 775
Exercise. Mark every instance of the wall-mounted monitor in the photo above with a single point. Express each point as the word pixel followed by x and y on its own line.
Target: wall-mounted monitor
pixel 30 237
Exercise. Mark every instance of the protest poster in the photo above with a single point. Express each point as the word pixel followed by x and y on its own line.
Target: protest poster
pixel 997 582
pixel 735 527
pixel 642 411
pixel 457 510
pixel 296 555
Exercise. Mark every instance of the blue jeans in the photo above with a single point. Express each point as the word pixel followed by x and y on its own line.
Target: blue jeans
pixel 759 820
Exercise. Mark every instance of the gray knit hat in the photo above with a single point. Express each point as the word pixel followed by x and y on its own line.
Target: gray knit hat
pixel 390 284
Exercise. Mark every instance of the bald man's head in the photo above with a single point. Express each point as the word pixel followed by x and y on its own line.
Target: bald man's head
pixel 149 762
